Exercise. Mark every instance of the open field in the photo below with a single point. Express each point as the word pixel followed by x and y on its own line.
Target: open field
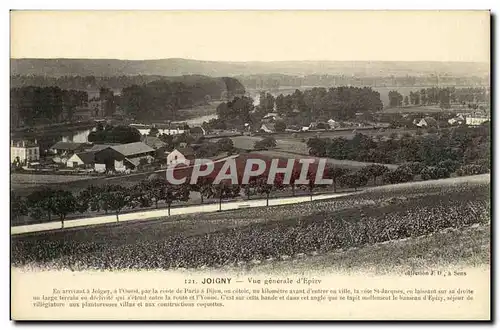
pixel 256 235
pixel 331 161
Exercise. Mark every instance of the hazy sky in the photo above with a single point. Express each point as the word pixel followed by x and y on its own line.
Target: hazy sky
pixel 253 36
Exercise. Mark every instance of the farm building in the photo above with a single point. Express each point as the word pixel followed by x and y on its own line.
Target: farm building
pixel 67 148
pixel 84 159
pixel 180 156
pixel 123 157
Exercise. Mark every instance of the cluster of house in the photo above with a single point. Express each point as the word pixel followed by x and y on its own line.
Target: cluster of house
pixel 459 119
pixel 270 119
pixel 104 157
pixel 121 157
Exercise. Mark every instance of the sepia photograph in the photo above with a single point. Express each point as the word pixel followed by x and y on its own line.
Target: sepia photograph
pixel 250 165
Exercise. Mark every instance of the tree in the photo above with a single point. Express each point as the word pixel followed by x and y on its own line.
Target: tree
pixel 311 177
pixel 395 99
pixel 154 189
pixel 334 173
pixel 354 180
pixel 399 175
pixel 154 131
pixel 263 187
pixel 225 190
pixel 18 206
pixel 176 193
pixel 318 147
pixel 41 201
pixel 90 198
pixel 63 203
pixel 115 134
pixel 225 144
pixel 406 100
pixel 280 126
pixel 204 186
pixel 116 198
pixel 266 143
pixel 374 171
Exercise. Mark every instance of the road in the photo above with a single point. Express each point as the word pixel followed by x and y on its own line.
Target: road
pixel 155 214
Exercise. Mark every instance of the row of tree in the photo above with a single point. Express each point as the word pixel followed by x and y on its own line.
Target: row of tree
pixel 275 81
pixel 463 145
pixel 41 105
pixel 49 203
pixel 442 96
pixel 162 98
pixel 339 103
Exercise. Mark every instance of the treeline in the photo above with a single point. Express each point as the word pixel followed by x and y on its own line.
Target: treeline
pixel 459 145
pixel 337 103
pixel 162 98
pixel 275 81
pixel 42 105
pixel 47 204
pixel 114 82
pixel 443 97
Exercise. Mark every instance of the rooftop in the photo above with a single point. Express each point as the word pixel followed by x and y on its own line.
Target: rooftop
pixel 131 149
pixel 67 145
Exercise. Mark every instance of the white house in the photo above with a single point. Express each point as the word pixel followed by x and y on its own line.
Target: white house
pixel 82 159
pixel 476 120
pixel 180 156
pixel 426 122
pixel 24 151
pixel 333 124
pixel 268 128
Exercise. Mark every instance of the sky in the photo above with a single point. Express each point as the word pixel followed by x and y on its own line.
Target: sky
pixel 462 36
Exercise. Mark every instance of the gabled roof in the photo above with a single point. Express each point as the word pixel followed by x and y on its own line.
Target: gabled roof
pixel 86 157
pixel 430 121
pixel 153 142
pixel 188 151
pixel 131 149
pixel 99 147
pixel 67 145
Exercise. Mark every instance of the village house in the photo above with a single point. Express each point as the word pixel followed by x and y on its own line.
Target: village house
pixel 66 148
pixel 458 120
pixel 123 157
pixel 333 124
pixel 24 152
pixel 84 159
pixel 268 127
pixel 426 122
pixel 180 156
pixel 271 116
pixel 476 120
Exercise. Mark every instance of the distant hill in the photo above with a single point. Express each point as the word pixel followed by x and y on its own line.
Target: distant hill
pixel 178 67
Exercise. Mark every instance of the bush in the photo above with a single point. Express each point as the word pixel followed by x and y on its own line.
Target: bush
pixel 266 143
pixel 434 173
pixel 399 175
pixel 472 170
